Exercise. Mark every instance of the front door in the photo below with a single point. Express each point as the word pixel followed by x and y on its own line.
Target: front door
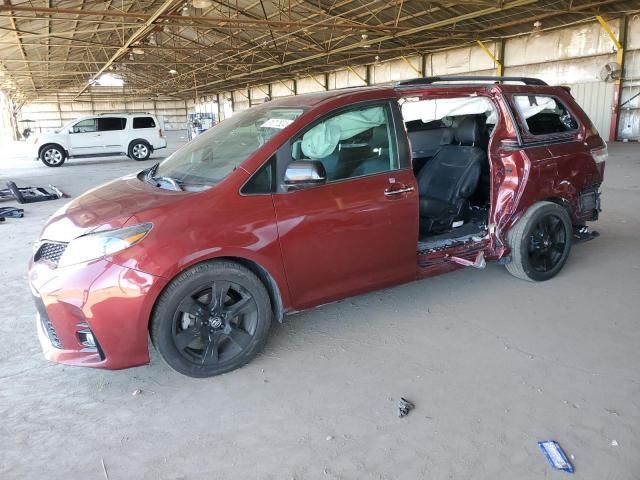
pixel 84 138
pixel 359 230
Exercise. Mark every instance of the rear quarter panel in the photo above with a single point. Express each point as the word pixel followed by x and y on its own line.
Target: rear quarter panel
pixel 546 167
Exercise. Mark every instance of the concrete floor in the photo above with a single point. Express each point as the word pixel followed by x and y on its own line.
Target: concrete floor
pixel 493 364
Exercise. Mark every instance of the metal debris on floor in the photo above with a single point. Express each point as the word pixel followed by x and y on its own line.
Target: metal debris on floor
pixel 555 455
pixel 404 407
pixel 30 194
pixel 10 212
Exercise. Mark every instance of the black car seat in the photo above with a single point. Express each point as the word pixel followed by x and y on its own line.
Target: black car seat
pixel 450 177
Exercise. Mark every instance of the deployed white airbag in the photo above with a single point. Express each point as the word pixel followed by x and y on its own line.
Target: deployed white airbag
pixel 322 140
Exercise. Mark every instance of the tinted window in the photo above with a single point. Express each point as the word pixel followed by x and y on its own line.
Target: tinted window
pixel 85 126
pixel 350 144
pixel 544 115
pixel 106 124
pixel 263 181
pixel 143 122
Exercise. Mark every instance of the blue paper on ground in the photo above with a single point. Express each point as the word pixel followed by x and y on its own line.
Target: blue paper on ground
pixel 555 455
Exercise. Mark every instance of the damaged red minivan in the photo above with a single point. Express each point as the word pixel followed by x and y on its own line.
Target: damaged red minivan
pixel 309 199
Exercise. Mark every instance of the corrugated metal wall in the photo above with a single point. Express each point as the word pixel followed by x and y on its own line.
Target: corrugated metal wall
pixel 596 99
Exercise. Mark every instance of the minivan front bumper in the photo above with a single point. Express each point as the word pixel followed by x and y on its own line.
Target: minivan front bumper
pixel 94 314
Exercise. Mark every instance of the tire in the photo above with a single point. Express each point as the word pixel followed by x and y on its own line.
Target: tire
pixel 53 155
pixel 139 150
pixel 200 336
pixel 540 242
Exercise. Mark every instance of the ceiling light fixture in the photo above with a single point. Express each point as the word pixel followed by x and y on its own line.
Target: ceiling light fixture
pixel 202 3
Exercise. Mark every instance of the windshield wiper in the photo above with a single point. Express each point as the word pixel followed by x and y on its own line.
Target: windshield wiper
pixel 150 177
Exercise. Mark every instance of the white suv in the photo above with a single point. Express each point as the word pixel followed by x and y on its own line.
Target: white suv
pixel 136 135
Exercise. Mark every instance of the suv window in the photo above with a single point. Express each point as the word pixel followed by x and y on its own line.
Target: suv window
pixel 143 122
pixel 85 126
pixel 106 124
pixel 544 115
pixel 351 143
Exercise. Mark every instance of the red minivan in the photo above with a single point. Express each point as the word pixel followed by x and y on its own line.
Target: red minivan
pixel 309 199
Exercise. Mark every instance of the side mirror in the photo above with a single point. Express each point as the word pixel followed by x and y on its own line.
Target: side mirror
pixel 304 173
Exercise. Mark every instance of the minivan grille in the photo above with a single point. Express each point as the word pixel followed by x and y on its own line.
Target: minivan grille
pixel 50 252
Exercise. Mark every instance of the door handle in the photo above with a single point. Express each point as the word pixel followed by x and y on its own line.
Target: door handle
pixel 397 191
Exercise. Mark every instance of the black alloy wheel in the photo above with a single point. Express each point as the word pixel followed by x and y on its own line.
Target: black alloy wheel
pixel 547 243
pixel 215 325
pixel 211 319
pixel 540 242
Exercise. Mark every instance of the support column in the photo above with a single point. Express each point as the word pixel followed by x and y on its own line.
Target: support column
pixel 619 44
pixel 497 62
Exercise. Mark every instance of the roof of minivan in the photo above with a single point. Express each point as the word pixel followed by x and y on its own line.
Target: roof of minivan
pixel 313 99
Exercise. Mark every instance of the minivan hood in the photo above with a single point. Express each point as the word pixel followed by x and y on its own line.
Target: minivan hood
pixel 106 207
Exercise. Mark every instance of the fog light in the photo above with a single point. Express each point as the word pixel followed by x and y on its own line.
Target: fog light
pixel 85 336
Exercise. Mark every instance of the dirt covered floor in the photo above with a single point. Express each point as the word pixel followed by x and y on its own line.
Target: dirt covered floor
pixel 492 363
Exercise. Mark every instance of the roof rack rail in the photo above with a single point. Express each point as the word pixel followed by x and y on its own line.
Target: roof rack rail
pixel 123 113
pixel 430 80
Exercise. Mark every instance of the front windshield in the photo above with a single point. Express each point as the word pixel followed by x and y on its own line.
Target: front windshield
pixel 210 157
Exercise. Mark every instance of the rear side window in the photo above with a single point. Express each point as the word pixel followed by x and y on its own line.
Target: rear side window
pixel 544 115
pixel 106 124
pixel 144 122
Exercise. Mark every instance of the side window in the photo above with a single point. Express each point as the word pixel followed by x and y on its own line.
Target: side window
pixel 263 181
pixel 144 122
pixel 350 144
pixel 544 115
pixel 85 126
pixel 107 124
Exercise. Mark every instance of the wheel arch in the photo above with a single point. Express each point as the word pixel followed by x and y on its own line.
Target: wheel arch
pixel 564 203
pixel 275 296
pixel 143 140
pixel 52 144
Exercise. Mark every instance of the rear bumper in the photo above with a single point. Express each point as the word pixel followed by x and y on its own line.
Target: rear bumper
pixel 107 301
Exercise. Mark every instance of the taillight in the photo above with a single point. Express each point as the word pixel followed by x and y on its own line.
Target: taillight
pixel 161 132
pixel 600 155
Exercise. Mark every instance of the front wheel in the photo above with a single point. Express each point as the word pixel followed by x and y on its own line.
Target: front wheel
pixel 212 319
pixel 540 242
pixel 139 150
pixel 53 155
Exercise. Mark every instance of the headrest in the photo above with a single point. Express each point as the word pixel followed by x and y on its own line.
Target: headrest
pixel 379 137
pixel 468 131
pixel 296 150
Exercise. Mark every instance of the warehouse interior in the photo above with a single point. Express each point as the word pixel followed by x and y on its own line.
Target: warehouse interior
pixel 493 364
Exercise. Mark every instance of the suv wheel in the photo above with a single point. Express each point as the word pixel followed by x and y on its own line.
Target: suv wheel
pixel 540 242
pixel 211 319
pixel 53 155
pixel 139 150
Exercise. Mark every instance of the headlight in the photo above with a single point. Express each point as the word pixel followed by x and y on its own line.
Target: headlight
pixel 98 245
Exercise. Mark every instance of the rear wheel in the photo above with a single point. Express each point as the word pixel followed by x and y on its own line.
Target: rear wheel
pixel 53 155
pixel 139 150
pixel 212 319
pixel 540 242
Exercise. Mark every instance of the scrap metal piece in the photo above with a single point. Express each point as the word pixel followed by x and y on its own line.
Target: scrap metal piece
pixel 30 194
pixel 404 407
